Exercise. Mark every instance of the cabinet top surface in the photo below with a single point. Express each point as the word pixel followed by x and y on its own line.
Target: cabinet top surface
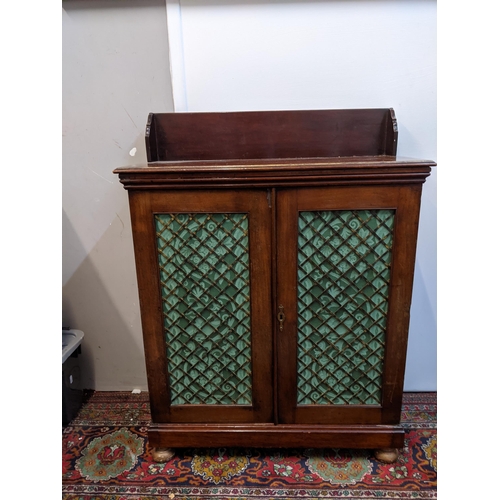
pixel 381 170
pixel 276 164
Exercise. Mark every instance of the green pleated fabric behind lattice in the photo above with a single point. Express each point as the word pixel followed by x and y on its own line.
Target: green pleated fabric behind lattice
pixel 205 285
pixel 344 262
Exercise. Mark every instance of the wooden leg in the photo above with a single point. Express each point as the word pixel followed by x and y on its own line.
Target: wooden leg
pixel 386 455
pixel 162 455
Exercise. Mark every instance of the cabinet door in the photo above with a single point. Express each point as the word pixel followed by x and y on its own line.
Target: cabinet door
pixel 203 261
pixel 345 267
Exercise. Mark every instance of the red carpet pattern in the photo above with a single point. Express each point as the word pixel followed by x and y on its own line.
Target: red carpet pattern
pixel 106 456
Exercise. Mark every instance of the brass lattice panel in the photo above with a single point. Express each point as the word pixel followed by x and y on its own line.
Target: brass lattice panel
pixel 344 260
pixel 205 286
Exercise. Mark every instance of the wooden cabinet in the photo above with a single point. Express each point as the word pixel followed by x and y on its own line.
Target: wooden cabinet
pixel 274 256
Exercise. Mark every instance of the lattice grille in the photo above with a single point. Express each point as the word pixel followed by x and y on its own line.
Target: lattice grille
pixel 344 262
pixel 205 284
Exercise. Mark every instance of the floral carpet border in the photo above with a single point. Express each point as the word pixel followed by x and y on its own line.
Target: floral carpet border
pixel 124 493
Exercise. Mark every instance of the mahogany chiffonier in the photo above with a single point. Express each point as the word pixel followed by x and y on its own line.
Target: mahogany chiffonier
pixel 274 255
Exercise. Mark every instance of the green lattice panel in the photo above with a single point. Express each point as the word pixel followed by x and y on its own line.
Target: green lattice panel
pixel 205 286
pixel 344 260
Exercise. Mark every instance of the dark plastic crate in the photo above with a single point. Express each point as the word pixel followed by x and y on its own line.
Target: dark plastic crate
pixel 72 391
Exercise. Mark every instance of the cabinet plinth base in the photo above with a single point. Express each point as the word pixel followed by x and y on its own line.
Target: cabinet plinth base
pixel 386 455
pixel 162 455
pixel 276 436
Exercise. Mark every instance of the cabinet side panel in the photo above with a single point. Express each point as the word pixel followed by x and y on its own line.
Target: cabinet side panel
pixel 151 318
pixel 405 242
pixel 205 286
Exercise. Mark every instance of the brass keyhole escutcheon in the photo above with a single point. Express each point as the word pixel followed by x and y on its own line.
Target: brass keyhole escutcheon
pixel 281 317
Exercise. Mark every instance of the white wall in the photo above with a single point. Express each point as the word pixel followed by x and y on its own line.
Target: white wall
pixel 115 71
pixel 293 54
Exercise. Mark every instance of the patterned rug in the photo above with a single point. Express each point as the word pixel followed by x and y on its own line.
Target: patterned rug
pixel 106 456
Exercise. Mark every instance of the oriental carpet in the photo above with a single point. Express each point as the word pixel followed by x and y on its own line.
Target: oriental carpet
pixel 106 456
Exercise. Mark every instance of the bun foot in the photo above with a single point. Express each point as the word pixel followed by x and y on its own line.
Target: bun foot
pixel 386 455
pixel 162 455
